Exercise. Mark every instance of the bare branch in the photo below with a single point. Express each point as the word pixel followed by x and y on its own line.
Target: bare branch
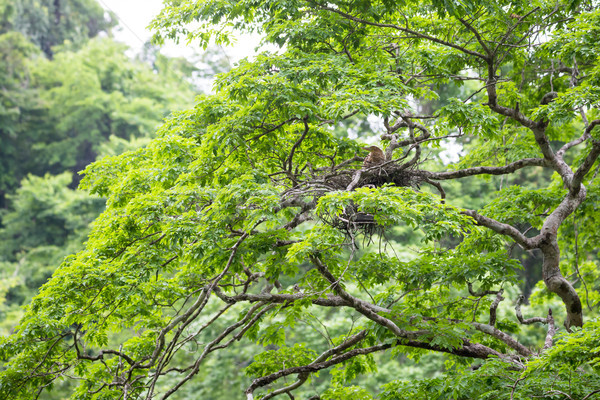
pixel 507 169
pixel 504 229
pixel 551 330
pixel 504 337
pixel 494 307
pixel 528 321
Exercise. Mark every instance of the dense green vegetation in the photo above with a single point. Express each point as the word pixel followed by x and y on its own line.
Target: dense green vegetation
pixel 68 96
pixel 245 250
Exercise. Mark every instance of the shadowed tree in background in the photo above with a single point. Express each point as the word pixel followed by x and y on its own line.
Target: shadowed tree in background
pixel 26 27
pixel 247 216
pixel 58 107
pixel 58 115
pixel 50 23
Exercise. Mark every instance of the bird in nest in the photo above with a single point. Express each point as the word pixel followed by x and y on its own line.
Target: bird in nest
pixel 375 156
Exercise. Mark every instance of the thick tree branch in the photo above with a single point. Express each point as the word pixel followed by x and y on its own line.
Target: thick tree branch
pixel 468 349
pixel 507 169
pixel 547 242
pixel 506 111
pixel 284 298
pixel 498 334
pixel 551 331
pixel 537 127
pixel 504 229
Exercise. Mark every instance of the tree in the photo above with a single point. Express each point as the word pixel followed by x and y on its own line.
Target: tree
pixel 49 23
pixel 19 107
pixel 97 92
pixel 79 105
pixel 46 222
pixel 63 95
pixel 57 113
pixel 248 215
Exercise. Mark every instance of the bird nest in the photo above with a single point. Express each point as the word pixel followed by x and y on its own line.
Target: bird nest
pixel 375 177
pixel 353 221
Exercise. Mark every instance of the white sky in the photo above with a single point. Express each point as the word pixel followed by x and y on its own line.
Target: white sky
pixel 135 15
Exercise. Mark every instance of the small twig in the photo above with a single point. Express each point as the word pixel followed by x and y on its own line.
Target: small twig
pixel 591 394
pixel 439 187
pixel 295 146
pixel 514 387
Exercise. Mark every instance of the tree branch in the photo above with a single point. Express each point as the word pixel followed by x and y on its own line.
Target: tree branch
pixel 406 30
pixel 296 145
pixel 527 321
pixel 315 366
pixel 477 35
pixel 589 161
pixel 468 349
pixel 551 331
pixel 504 229
pixel 586 135
pixel 507 169
pixel 498 334
pixel 494 307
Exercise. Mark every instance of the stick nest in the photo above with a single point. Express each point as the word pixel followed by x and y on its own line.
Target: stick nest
pixel 352 221
pixel 377 177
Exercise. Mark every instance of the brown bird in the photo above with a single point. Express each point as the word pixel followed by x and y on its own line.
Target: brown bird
pixel 375 156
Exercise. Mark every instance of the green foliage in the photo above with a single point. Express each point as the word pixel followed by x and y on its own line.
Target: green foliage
pixel 18 108
pixel 250 220
pixel 45 222
pixel 62 111
pixel 273 360
pixel 352 392
pixel 46 212
pixel 97 92
pixel 49 23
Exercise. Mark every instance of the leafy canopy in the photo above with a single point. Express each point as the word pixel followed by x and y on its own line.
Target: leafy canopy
pixel 251 213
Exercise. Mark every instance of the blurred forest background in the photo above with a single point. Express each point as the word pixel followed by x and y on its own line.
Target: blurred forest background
pixel 70 95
